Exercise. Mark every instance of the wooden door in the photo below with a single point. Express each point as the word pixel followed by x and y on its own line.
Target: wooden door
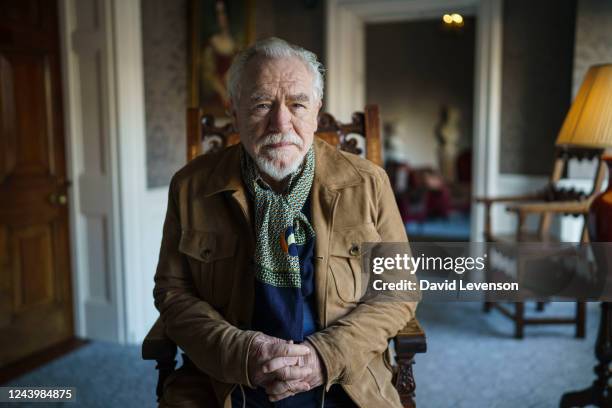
pixel 35 283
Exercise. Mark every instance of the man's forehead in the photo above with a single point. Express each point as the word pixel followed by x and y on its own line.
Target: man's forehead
pixel 267 75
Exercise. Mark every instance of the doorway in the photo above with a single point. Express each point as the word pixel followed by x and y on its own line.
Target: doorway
pixel 421 73
pixel 345 56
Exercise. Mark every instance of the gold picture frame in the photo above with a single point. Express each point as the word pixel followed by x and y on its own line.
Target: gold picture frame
pixel 218 30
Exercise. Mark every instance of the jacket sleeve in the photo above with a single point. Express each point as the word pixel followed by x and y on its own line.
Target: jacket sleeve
pixel 213 344
pixel 348 345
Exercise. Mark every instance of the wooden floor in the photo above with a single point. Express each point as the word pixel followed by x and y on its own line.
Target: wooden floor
pixel 34 361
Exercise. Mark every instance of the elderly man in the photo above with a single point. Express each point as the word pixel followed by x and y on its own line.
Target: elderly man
pixel 257 281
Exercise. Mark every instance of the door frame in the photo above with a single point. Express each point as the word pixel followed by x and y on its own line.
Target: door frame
pixel 116 34
pixel 345 60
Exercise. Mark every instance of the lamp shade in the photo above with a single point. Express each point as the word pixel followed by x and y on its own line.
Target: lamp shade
pixel 589 121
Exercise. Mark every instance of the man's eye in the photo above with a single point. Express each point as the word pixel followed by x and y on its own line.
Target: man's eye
pixel 262 106
pixel 298 106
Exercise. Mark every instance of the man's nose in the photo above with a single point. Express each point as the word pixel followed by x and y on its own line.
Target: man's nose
pixel 280 119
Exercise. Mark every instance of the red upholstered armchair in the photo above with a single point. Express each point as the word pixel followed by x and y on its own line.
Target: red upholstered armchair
pixel 421 193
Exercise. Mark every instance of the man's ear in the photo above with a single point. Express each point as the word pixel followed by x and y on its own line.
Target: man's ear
pixel 320 105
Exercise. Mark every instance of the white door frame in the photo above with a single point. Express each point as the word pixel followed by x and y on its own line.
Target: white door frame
pixel 345 54
pixel 104 116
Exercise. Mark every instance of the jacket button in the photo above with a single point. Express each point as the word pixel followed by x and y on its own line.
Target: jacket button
pixel 205 254
pixel 354 251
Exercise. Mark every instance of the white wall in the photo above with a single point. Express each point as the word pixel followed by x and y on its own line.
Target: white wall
pixel 153 211
pixel 514 184
pixel 136 202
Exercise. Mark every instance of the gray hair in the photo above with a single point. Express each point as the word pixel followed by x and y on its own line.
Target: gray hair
pixel 274 48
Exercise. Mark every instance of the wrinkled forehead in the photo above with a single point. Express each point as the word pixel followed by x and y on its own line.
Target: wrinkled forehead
pixel 276 76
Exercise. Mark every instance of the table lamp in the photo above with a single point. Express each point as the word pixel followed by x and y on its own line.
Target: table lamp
pixel 589 124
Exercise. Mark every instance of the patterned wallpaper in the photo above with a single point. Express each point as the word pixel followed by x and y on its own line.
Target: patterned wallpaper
pixel 164 36
pixel 593 46
pixel 536 82
pixel 593 37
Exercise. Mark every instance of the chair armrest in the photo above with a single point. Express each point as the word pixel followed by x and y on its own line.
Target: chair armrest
pixel 566 207
pixel 489 201
pixel 157 345
pixel 506 199
pixel 411 339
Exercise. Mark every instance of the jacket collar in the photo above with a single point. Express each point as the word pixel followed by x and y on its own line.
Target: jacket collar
pixel 332 170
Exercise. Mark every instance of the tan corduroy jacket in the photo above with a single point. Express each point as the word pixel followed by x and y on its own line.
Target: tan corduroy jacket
pixel 204 285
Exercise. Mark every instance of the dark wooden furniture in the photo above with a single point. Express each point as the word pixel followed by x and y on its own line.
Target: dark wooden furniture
pixel 599 394
pixel 203 135
pixel 545 204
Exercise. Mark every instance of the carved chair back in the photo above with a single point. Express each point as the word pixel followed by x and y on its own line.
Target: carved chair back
pixel 204 135
pixel 554 192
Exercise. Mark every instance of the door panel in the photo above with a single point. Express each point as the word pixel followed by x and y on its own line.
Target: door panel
pixel 33 255
pixel 27 122
pixel 35 289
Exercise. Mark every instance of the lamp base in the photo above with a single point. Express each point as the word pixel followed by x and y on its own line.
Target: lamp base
pixel 600 393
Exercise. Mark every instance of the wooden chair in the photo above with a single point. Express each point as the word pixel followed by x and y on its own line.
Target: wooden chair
pixel 546 203
pixel 204 135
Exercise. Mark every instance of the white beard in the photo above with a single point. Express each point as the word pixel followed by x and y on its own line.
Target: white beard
pixel 269 160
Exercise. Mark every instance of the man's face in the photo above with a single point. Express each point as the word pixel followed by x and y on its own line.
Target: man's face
pixel 276 114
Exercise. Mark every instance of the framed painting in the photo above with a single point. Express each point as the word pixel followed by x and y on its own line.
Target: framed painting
pixel 218 30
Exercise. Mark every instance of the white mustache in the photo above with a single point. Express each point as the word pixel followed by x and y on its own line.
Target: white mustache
pixel 275 138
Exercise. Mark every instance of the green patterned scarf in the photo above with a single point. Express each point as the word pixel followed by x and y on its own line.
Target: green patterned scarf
pixel 280 224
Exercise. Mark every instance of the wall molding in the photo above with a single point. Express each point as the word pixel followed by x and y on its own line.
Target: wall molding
pixel 154 202
pixel 131 151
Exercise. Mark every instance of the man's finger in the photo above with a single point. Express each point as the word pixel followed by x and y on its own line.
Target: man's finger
pixel 286 350
pixel 290 373
pixel 280 362
pixel 286 387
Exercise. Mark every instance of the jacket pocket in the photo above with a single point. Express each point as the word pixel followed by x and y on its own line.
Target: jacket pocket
pixel 382 377
pixel 212 259
pixel 345 260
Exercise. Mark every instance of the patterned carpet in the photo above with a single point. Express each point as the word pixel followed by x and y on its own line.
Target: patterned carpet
pixel 455 227
pixel 472 361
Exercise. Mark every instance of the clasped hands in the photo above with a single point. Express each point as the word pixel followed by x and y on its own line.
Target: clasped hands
pixel 282 368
